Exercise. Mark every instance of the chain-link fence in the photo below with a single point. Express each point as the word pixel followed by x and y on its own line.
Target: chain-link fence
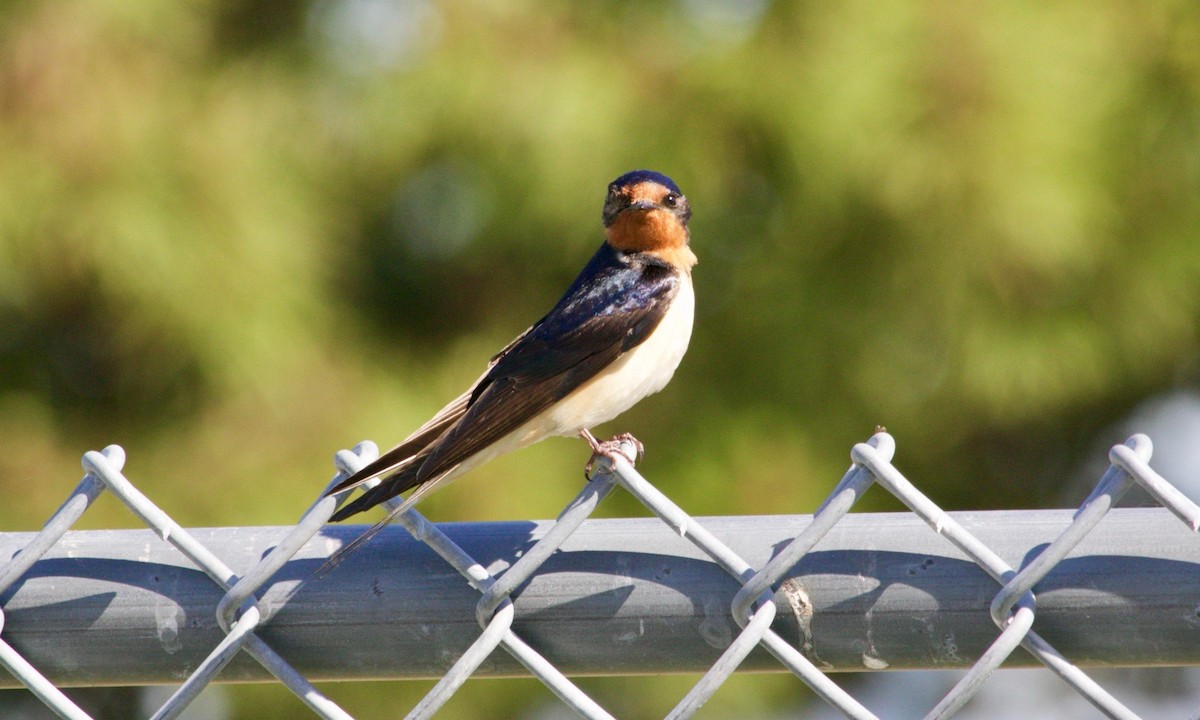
pixel 742 594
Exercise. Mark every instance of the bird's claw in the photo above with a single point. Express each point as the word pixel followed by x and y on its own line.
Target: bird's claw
pixel 625 445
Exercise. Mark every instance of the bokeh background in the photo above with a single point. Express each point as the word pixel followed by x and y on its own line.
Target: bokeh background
pixel 236 236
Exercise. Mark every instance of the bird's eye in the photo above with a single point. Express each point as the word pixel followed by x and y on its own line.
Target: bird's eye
pixel 671 200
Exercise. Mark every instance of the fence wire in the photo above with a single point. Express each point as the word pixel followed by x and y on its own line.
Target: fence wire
pixel 754 607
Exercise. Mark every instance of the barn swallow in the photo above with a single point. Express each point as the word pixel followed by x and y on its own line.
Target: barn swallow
pixel 615 337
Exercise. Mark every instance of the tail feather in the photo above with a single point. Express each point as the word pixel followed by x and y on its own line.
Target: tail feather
pixel 393 485
pixel 393 461
pixel 414 448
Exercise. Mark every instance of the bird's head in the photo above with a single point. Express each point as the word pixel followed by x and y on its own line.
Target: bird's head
pixel 646 212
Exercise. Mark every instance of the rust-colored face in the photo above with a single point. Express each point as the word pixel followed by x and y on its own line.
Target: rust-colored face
pixel 648 216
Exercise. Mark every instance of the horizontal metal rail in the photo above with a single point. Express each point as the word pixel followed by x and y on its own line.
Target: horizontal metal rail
pixel 629 596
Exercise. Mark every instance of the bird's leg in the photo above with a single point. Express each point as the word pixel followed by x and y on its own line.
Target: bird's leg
pixel 609 448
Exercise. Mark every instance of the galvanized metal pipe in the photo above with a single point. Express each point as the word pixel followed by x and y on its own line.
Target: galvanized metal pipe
pixel 626 596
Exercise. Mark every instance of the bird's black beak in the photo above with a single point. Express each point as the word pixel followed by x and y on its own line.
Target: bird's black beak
pixel 641 205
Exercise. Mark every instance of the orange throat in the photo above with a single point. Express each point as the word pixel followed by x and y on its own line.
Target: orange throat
pixel 656 232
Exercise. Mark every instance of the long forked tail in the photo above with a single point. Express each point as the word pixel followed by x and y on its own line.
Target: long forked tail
pixel 393 485
pixel 335 559
pixel 400 464
pixel 342 552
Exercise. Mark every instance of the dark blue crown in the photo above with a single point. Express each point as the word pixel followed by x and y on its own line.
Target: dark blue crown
pixel 637 176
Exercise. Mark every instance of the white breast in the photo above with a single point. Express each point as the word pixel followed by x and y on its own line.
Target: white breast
pixel 642 371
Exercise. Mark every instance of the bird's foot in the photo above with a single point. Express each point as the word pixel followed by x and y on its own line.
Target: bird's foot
pixel 625 445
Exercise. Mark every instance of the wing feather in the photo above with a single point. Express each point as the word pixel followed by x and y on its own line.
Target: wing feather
pixel 613 305
pixel 410 448
pixel 594 324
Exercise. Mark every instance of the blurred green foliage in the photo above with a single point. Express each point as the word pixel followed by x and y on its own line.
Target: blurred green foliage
pixel 236 236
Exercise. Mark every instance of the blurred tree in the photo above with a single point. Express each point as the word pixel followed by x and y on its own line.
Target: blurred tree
pixel 236 236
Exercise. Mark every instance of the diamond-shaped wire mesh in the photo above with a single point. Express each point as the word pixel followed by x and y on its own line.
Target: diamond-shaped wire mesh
pixel 754 607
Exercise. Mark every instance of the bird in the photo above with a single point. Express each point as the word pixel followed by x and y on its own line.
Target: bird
pixel 616 336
